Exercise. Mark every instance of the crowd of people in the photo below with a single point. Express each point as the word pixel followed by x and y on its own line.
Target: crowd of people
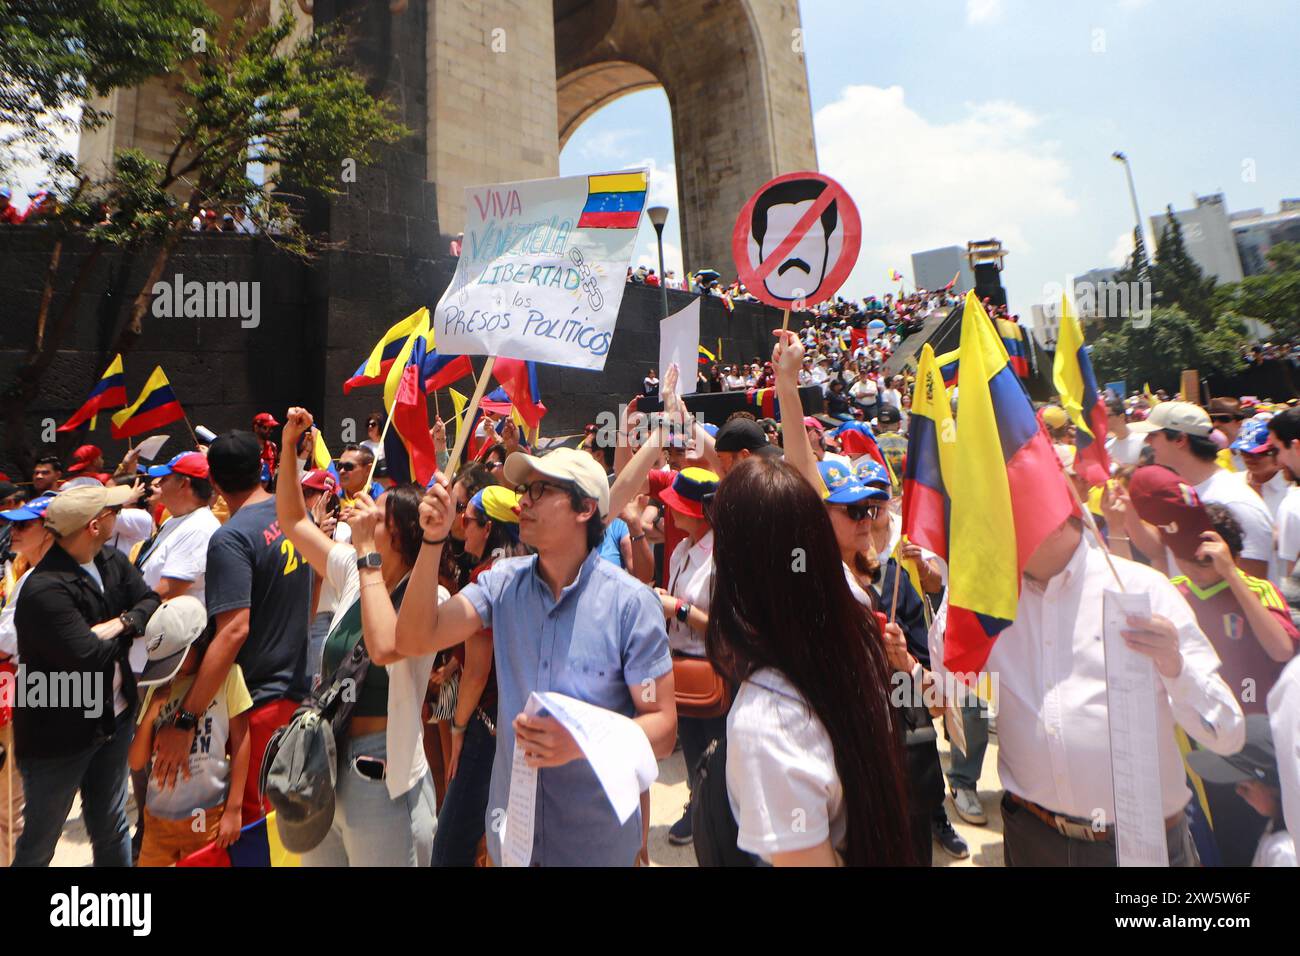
pixel 220 603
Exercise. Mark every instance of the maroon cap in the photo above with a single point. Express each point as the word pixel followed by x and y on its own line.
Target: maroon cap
pixel 265 418
pixel 1166 501
pixel 82 458
pixel 319 480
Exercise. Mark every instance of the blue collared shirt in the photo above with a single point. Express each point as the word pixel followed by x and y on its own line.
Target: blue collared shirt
pixel 605 632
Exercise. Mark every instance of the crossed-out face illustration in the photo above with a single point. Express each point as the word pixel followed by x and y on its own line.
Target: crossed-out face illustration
pixel 801 271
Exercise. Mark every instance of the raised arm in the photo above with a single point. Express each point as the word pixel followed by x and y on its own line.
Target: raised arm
pixel 787 359
pixel 290 505
pixel 424 626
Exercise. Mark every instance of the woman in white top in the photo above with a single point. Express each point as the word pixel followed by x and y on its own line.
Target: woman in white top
pixel 814 768
pixel 686 612
pixel 384 811
pixel 374 432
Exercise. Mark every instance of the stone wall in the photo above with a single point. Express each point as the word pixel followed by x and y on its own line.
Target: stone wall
pixel 317 323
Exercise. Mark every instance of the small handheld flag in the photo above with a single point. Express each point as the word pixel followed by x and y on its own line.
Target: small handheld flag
pixel 109 392
pixel 374 370
pixel 1077 386
pixel 156 406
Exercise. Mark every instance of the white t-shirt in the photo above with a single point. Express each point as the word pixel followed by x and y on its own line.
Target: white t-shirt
pixel 8 632
pixel 1275 848
pixel 329 598
pixel 865 389
pixel 208 784
pixel 1284 722
pixel 1288 527
pixel 782 784
pixel 892 396
pixel 690 579
pixel 133 526
pixel 1126 450
pixel 1222 488
pixel 181 551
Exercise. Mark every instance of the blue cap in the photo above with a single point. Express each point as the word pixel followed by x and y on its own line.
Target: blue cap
pixel 871 472
pixel 193 464
pixel 32 509
pixel 1253 437
pixel 710 428
pixel 842 487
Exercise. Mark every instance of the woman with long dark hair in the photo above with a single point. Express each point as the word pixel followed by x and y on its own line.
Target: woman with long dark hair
pixel 814 767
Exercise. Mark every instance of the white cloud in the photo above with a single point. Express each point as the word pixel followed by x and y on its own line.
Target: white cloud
pixel 606 145
pixel 983 11
pixel 921 184
pixel 1121 250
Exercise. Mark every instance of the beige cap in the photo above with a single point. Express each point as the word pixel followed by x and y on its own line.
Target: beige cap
pixel 563 464
pixel 73 509
pixel 1177 416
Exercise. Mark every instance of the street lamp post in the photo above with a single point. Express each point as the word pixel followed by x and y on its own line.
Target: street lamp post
pixel 1132 193
pixel 658 216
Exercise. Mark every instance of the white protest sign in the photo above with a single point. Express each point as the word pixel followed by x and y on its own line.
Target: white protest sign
pixel 679 342
pixel 542 269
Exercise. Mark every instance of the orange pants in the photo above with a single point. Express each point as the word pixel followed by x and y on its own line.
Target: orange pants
pixel 263 722
pixel 167 842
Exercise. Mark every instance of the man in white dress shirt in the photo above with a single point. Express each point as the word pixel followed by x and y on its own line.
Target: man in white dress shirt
pixel 1053 732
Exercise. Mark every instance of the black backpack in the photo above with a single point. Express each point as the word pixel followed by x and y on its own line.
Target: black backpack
pixel 714 829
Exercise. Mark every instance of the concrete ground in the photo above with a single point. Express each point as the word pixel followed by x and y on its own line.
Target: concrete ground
pixel 667 797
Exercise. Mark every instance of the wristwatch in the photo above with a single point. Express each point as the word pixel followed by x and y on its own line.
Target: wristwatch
pixel 370 559
pixel 184 720
pixel 128 625
pixel 683 611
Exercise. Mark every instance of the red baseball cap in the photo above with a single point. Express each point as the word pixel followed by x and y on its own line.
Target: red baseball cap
pixel 192 464
pixel 1166 501
pixel 83 457
pixel 265 418
pixel 319 480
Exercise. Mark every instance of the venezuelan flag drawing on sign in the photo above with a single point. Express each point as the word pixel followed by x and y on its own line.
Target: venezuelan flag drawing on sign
pixel 157 406
pixel 258 845
pixel 109 392
pixel 1077 387
pixel 1007 494
pixel 374 370
pixel 614 201
pixel 931 436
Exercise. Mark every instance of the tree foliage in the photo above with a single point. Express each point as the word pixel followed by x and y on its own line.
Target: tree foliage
pixel 1158 352
pixel 1272 297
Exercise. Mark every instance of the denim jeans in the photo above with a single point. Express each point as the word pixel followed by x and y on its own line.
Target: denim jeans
pixel 316 634
pixel 964 771
pixel 370 828
pixel 463 813
pixel 51 783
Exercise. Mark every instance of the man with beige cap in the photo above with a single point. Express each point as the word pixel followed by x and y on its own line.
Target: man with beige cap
pixel 1179 434
pixel 562 620
pixel 77 615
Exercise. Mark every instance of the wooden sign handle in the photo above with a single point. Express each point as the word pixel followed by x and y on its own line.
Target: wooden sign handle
pixel 463 429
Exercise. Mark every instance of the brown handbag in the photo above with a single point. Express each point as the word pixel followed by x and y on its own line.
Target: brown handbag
pixel 699 689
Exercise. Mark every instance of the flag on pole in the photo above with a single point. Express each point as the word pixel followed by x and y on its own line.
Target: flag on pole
pixel 948 367
pixel 408 447
pixel 706 356
pixel 519 379
pixel 109 392
pixel 952 282
pixel 157 406
pixel 1013 340
pixel 1007 494
pixel 439 371
pixel 895 275
pixel 374 370
pixel 931 439
pixel 857 439
pixel 1077 386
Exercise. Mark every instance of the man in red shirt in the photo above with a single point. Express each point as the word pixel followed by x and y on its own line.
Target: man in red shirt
pixel 263 425
pixel 9 213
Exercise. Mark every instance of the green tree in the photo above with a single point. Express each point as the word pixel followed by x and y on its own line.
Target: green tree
pixel 1272 297
pixel 1173 341
pixel 1177 280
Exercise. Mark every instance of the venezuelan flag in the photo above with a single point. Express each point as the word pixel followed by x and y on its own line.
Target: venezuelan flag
pixel 519 379
pixel 896 276
pixel 109 392
pixel 1007 494
pixel 408 447
pixel 614 201
pixel 931 436
pixel 948 367
pixel 1013 340
pixel 765 400
pixel 258 845
pixel 374 370
pixel 857 439
pixel 440 371
pixel 706 356
pixel 1077 386
pixel 157 406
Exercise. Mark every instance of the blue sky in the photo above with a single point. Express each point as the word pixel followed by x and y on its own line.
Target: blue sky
pixel 950 120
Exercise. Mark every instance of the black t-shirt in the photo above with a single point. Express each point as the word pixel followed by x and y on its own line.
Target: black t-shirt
pixel 252 564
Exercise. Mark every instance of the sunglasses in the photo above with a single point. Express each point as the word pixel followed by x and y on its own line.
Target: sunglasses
pixel 861 512
pixel 1257 455
pixel 347 466
pixel 24 524
pixel 1223 419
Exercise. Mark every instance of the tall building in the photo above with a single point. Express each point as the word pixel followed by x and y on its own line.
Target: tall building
pixel 1231 245
pixel 1256 232
pixel 934 269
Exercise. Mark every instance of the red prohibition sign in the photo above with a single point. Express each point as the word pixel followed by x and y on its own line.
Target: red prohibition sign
pixel 796 240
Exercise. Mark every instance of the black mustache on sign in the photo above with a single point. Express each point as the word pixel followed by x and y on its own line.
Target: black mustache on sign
pixel 795 263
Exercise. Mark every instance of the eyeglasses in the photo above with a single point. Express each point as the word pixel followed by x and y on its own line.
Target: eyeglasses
pixel 347 466
pixel 861 512
pixel 535 489
pixel 1257 455
pixel 1222 419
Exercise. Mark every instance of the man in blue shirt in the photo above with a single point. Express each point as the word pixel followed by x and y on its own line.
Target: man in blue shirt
pixel 562 620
